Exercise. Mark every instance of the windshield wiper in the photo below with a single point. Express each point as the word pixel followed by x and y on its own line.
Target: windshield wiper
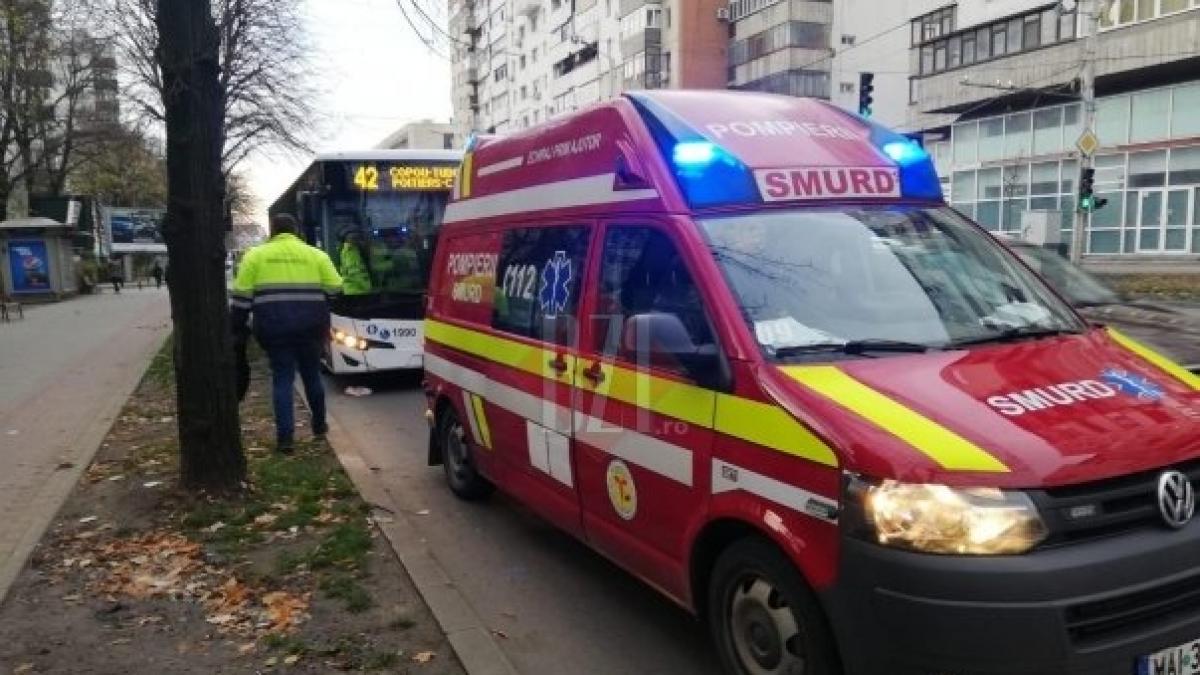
pixel 856 347
pixel 1012 335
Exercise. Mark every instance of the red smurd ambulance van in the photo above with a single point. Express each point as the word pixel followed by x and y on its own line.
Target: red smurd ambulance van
pixel 738 344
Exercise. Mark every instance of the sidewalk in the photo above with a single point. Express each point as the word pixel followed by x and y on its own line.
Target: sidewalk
pixel 65 372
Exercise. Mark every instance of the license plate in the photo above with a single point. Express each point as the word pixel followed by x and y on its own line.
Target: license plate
pixel 1183 659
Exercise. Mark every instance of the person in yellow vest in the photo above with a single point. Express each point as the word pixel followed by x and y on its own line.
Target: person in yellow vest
pixel 352 263
pixel 285 284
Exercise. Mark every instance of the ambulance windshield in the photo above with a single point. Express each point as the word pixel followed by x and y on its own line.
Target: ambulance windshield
pixel 891 277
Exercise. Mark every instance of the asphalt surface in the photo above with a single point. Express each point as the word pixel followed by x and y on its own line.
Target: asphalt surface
pixel 553 605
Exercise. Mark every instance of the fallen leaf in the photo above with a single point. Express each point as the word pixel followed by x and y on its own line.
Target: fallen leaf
pixel 63 466
pixel 423 657
pixel 152 483
pixel 116 477
pixel 266 519
pixel 120 641
pixel 291 659
pixel 88 519
pixel 500 634
pixel 423 512
pixel 214 527
pixel 23 668
pixel 247 648
pixel 271 661
pixel 72 598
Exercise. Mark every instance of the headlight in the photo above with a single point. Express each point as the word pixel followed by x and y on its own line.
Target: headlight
pixel 941 519
pixel 353 342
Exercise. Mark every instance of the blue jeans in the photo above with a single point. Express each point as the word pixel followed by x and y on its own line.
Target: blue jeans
pixel 286 359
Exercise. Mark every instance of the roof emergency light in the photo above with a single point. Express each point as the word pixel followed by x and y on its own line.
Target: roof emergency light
pixel 905 153
pixel 708 174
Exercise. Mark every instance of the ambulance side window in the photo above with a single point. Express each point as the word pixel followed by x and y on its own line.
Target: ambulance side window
pixel 641 274
pixel 538 278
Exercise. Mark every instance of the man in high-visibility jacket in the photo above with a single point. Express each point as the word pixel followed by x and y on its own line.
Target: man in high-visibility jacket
pixel 285 283
pixel 353 265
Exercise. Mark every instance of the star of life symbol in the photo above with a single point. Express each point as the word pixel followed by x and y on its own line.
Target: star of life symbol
pixel 556 284
pixel 1133 385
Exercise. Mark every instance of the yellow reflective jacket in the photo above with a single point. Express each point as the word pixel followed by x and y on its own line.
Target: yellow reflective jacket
pixel 354 270
pixel 285 283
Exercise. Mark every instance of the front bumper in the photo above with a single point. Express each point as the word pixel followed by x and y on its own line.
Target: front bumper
pixel 1089 608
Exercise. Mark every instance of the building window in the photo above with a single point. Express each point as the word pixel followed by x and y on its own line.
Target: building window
pixel 1184 120
pixel 1112 120
pixel 1124 12
pixel 847 39
pixel 1149 117
pixel 846 87
pixel 1007 36
pixel 933 25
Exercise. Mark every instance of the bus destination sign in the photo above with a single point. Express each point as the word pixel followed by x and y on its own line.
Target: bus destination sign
pixel 401 177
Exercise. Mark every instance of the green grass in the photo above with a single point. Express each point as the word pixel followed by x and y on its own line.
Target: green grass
pixel 345 588
pixel 162 368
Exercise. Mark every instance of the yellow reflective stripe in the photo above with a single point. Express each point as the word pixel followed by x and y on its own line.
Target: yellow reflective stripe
pixel 666 397
pixel 940 444
pixel 765 424
pixel 768 424
pixel 1178 371
pixel 533 360
pixel 484 432
pixel 468 168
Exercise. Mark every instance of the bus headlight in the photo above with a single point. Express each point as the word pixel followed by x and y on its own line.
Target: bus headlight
pixel 941 519
pixel 347 340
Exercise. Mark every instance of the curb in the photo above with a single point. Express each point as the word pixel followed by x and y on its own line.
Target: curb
pixel 472 642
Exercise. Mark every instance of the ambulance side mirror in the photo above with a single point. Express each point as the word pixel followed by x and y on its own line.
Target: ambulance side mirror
pixel 661 339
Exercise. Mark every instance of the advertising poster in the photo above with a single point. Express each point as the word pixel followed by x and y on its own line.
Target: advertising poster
pixel 133 230
pixel 30 266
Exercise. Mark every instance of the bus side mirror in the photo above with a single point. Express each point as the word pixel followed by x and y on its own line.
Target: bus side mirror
pixel 660 338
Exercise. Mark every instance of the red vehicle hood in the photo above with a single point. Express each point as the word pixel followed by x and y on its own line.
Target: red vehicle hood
pixel 1048 412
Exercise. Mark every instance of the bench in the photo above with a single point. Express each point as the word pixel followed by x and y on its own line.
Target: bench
pixel 10 307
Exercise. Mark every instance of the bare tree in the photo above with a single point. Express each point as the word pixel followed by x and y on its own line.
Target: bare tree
pixel 264 72
pixel 188 59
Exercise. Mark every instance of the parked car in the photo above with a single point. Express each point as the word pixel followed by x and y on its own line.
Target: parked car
pixel 1167 329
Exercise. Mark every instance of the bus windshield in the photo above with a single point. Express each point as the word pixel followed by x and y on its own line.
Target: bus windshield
pixel 383 242
pixel 887 276
pixel 379 222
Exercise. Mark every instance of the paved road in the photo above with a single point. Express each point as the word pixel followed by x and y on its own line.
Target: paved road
pixel 563 608
pixel 65 372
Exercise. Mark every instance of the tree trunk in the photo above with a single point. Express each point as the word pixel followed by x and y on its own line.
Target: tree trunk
pixel 209 432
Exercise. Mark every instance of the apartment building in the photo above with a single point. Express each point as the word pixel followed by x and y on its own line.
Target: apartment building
pixel 421 135
pixel 516 63
pixel 998 80
pixel 819 48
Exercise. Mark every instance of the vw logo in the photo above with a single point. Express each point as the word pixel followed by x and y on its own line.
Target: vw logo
pixel 1176 499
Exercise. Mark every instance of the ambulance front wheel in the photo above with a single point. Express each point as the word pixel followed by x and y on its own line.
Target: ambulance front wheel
pixel 764 618
pixel 461 475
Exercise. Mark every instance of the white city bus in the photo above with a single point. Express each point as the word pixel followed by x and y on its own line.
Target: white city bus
pixel 387 205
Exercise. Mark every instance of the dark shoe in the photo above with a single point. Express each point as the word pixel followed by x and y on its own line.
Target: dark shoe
pixel 319 430
pixel 285 447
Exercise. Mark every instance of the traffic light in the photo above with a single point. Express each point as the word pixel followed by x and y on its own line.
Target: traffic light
pixel 1087 191
pixel 865 88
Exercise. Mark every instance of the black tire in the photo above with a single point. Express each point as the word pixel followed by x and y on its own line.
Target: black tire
pixel 764 618
pixel 461 476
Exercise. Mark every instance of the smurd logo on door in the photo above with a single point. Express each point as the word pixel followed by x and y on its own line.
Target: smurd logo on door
pixel 556 284
pixel 1133 385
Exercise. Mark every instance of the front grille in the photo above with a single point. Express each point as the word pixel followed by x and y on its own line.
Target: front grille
pixel 1094 621
pixel 1104 508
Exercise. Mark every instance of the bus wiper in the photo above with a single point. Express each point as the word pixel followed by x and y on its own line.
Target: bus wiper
pixel 856 347
pixel 1012 335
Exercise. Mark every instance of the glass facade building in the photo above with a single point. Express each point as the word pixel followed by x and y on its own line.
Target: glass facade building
pixel 1148 168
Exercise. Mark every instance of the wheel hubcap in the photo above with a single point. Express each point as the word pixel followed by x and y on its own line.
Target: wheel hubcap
pixel 456 451
pixel 766 636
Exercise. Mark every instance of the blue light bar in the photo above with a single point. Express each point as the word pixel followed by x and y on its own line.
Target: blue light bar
pixel 694 154
pixel 905 152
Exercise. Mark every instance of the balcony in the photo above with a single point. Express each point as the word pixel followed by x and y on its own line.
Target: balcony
pixel 1168 40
